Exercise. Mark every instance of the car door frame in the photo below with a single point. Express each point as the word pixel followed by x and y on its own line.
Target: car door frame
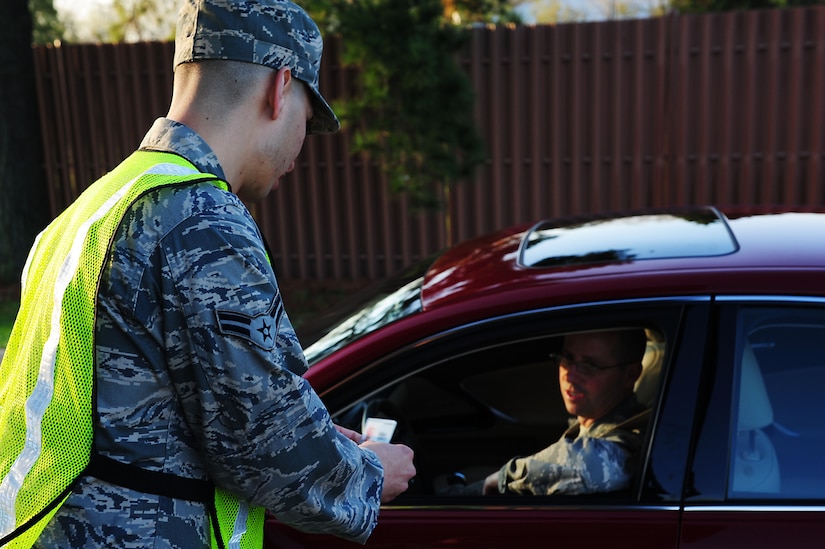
pixel 655 509
pixel 710 519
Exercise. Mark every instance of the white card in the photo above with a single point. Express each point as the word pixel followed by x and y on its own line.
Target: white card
pixel 379 429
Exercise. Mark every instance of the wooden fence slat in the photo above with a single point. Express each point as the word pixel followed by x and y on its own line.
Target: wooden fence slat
pixel 816 110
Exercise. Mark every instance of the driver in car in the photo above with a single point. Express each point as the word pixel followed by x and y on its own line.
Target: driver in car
pixel 597 375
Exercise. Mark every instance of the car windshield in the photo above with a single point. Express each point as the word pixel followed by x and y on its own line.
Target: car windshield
pixel 375 307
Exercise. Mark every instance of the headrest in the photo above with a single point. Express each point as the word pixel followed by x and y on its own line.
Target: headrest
pixel 647 386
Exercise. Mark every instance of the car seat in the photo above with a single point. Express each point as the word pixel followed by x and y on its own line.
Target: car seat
pixel 648 385
pixel 755 465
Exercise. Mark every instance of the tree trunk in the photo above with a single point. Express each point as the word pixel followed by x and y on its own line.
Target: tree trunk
pixel 24 204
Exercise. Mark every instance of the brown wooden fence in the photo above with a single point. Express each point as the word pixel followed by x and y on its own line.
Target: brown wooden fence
pixel 720 108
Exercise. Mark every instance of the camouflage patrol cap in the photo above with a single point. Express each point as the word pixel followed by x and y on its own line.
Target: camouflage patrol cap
pixel 273 33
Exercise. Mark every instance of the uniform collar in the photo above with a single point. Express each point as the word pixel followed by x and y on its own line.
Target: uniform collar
pixel 627 409
pixel 167 135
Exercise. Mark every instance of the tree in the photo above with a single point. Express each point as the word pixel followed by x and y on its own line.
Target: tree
pixel 141 20
pixel 571 11
pixel 556 11
pixel 413 110
pixel 46 25
pixel 482 11
pixel 23 197
pixel 111 21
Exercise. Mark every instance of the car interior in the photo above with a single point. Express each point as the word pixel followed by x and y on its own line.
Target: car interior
pixel 780 435
pixel 466 415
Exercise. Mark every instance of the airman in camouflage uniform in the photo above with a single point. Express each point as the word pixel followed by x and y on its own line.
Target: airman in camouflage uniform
pixel 582 461
pixel 198 366
pixel 597 373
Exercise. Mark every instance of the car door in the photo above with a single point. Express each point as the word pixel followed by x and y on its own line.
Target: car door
pixel 469 399
pixel 757 478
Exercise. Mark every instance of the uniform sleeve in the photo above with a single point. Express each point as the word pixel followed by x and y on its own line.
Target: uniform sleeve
pixel 581 466
pixel 264 433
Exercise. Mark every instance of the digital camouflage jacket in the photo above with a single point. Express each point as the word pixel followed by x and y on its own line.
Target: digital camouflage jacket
pixel 199 375
pixel 600 460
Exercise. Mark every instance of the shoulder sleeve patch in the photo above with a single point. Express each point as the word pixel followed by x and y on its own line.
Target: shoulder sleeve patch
pixel 261 329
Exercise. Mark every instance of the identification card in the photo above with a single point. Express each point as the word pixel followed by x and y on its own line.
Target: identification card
pixel 379 429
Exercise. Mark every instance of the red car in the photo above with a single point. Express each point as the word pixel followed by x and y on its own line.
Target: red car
pixel 456 352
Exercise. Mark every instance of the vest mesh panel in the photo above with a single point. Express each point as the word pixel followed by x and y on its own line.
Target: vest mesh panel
pixel 47 375
pixel 250 531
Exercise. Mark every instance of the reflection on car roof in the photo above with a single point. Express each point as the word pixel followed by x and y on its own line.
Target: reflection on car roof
pixel 699 232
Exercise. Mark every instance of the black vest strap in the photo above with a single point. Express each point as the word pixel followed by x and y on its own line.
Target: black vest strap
pixel 155 482
pixel 150 482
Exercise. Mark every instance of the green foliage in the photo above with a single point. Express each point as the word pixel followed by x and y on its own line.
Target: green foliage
pixel 47 27
pixel 413 109
pixel 141 20
pixel 482 11
pixel 556 11
pixel 111 22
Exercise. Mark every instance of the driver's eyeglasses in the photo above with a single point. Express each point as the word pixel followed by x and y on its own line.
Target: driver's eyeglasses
pixel 584 367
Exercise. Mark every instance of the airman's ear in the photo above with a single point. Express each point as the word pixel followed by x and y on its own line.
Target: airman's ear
pixel 276 96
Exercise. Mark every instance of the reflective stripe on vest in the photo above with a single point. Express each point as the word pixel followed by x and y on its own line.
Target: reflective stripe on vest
pixel 47 374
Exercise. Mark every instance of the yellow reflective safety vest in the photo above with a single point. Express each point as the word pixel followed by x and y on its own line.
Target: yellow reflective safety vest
pixel 47 376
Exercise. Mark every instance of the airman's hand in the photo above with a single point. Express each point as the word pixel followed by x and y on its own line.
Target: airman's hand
pixel 397 460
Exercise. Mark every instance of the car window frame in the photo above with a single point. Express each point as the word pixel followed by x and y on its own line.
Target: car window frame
pixel 710 462
pixel 675 426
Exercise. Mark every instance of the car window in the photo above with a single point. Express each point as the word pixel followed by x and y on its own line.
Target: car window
pixel 778 435
pixel 376 312
pixel 372 308
pixel 468 413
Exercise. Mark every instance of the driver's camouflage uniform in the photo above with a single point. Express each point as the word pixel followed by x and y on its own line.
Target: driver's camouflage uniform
pixel 598 459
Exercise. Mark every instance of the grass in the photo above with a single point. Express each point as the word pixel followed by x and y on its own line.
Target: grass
pixel 8 310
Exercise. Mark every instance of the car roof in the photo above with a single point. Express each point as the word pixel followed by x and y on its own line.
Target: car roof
pixel 677 251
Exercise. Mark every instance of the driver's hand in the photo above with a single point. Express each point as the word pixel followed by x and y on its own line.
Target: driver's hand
pixel 491 484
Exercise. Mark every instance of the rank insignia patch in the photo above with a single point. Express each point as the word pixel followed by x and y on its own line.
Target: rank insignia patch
pixel 262 329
